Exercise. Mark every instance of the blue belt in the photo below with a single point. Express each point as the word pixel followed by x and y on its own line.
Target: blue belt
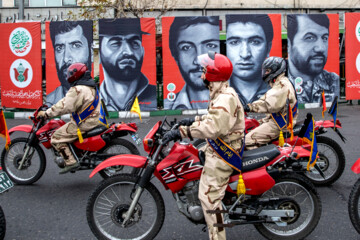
pixel 227 153
pixel 280 119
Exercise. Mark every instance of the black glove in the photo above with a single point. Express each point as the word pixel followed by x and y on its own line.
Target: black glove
pixel 186 121
pixel 247 108
pixel 171 135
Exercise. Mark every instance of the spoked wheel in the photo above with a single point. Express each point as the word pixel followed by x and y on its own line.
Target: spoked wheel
pixel 110 201
pixel 119 146
pixel 331 161
pixel 354 206
pixel 32 168
pixel 300 196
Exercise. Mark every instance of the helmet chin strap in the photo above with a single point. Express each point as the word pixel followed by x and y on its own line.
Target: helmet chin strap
pixel 207 83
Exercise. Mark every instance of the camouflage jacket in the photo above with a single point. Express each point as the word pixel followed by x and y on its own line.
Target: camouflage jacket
pixel 225 118
pixel 76 100
pixel 274 100
pixel 310 92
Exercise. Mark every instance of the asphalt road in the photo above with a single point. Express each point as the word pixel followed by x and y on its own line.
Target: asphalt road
pixel 55 206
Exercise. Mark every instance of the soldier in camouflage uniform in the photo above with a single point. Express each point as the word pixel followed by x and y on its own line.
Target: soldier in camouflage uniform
pixel 80 95
pixel 225 119
pixel 274 101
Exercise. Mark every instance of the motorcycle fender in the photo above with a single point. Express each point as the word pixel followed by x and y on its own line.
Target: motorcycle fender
pixel 124 127
pixel 328 124
pixel 21 128
pixel 356 167
pixel 124 160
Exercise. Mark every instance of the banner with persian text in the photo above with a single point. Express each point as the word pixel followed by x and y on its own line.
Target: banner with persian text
pixel 20 69
pixel 352 55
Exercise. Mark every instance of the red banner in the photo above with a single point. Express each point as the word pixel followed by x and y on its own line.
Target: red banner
pixel 313 47
pixel 20 71
pixel 184 38
pixel 352 55
pixel 128 70
pixel 67 42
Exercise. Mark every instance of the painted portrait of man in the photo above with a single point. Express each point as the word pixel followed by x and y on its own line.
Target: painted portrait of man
pixel 72 43
pixel 308 47
pixel 121 56
pixel 248 42
pixel 190 37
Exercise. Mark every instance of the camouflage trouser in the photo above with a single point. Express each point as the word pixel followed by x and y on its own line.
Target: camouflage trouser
pixel 213 183
pixel 68 134
pixel 261 135
pixel 60 139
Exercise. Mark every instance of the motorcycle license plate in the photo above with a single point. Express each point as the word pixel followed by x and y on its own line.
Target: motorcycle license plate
pixel 5 182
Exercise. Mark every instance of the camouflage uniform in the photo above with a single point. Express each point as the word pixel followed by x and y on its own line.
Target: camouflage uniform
pixel 274 101
pixel 75 100
pixel 310 91
pixel 225 120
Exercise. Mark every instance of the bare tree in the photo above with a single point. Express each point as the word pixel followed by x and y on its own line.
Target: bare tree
pixel 95 9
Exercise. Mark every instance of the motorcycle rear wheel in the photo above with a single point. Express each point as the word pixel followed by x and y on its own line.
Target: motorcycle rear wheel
pixel 354 206
pixel 306 203
pixel 111 199
pixel 119 146
pixel 33 167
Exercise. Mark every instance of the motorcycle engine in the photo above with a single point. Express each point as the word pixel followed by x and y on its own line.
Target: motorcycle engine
pixel 191 202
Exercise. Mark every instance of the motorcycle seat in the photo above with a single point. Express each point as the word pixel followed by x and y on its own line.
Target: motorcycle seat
pixel 95 131
pixel 259 157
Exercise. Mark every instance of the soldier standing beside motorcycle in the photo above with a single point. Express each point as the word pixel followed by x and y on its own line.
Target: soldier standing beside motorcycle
pixel 274 102
pixel 82 100
pixel 225 121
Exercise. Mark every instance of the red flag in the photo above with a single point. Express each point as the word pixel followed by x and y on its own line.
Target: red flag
pixel 323 102
pixel 290 122
pixel 3 130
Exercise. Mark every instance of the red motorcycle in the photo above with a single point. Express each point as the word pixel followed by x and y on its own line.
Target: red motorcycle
pixel 354 199
pixel 25 160
pixel 280 203
pixel 331 161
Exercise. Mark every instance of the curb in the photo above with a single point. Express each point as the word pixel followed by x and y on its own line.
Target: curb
pixel 123 114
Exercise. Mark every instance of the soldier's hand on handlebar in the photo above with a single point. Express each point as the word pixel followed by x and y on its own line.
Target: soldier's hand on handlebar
pixel 171 135
pixel 186 121
pixel 42 114
pixel 247 108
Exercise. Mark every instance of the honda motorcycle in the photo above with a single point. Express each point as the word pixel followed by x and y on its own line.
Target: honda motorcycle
pixel 331 159
pixel 25 160
pixel 354 199
pixel 280 203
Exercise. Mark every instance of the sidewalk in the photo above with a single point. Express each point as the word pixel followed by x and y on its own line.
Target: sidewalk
pixel 25 115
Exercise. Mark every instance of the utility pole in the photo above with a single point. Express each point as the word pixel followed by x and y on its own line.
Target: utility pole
pixel 21 9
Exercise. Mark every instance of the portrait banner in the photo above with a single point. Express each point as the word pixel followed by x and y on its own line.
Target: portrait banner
pixel 185 38
pixel 20 69
pixel 352 55
pixel 250 39
pixel 313 50
pixel 127 49
pixel 67 42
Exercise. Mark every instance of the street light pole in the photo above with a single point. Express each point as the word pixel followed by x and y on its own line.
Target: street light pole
pixel 21 9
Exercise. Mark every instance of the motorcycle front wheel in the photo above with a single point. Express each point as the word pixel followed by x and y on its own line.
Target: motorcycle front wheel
pixel 33 167
pixel 119 146
pixel 111 199
pixel 354 206
pixel 331 161
pixel 300 196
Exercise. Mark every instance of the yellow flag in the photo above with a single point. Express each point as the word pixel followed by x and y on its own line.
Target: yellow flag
pixel 136 108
